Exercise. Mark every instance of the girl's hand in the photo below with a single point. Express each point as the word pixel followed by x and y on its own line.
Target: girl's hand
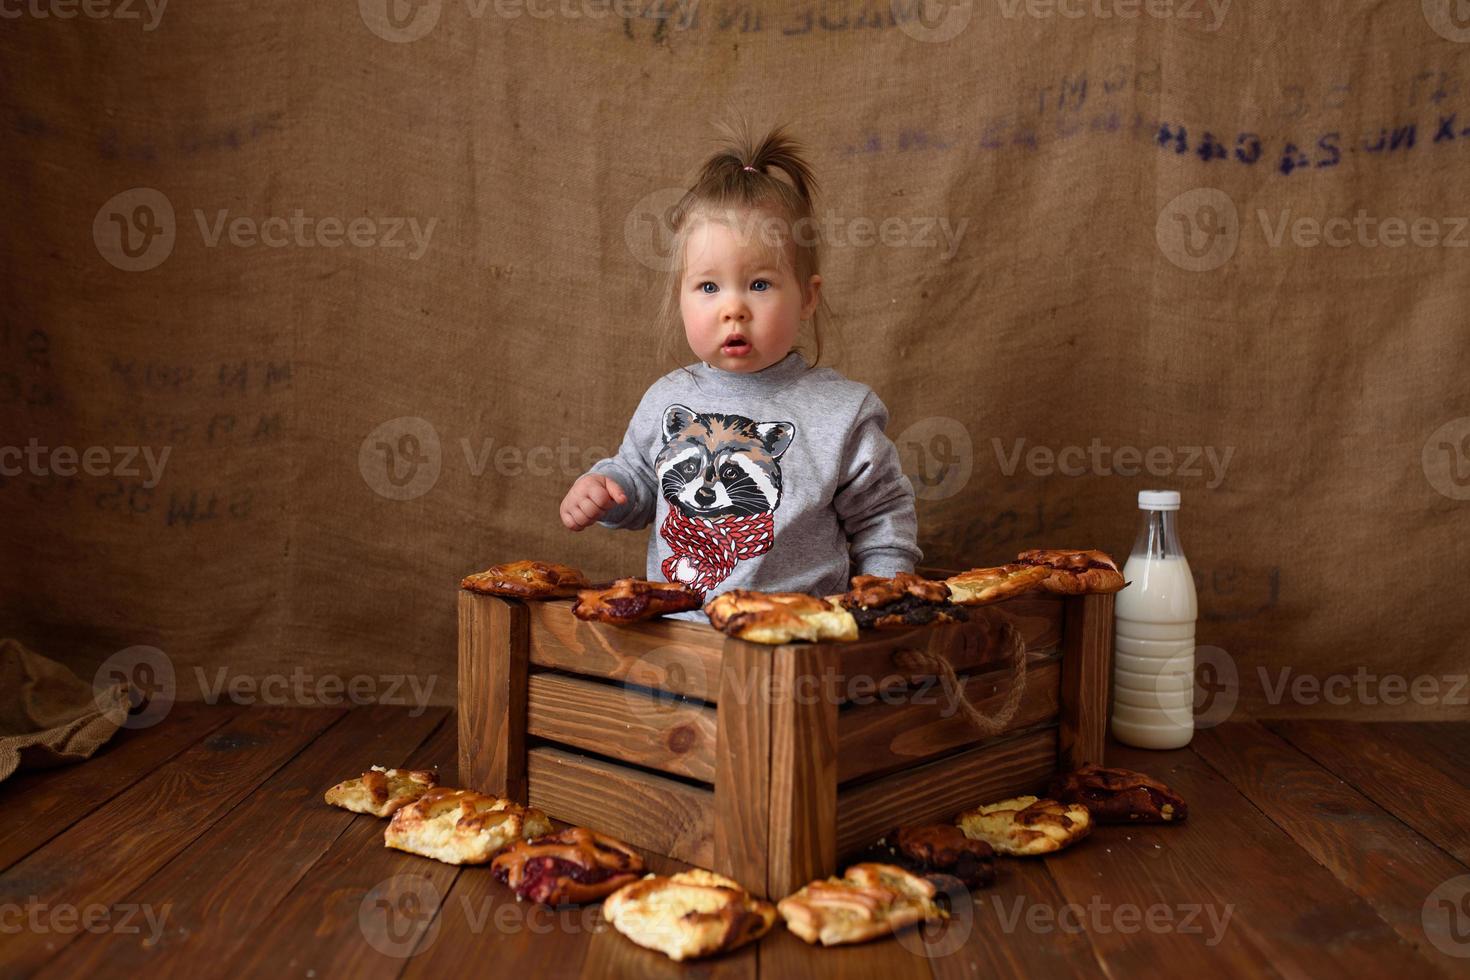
pixel 589 498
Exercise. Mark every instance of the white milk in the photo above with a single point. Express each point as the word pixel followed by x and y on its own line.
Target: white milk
pixel 1153 662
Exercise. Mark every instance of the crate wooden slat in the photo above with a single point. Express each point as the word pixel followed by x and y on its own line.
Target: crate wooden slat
pixel 1087 669
pixel 633 724
pixel 764 763
pixel 493 644
pixel 869 664
pixel 804 765
pixel 671 655
pixel 937 791
pixel 684 658
pixel 885 735
pixel 743 764
pixel 649 811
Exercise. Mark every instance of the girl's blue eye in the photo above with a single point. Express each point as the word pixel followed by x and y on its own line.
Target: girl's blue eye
pixel 707 287
pixel 760 285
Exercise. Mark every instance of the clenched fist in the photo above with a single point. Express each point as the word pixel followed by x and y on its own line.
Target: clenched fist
pixel 590 497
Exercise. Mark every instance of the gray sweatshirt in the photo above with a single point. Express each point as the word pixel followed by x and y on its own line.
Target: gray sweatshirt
pixel 781 481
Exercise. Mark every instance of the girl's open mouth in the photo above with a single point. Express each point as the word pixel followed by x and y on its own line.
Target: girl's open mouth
pixel 735 346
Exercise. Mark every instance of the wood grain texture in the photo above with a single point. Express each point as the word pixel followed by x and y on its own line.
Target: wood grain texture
pixel 481 927
pixel 286 817
pixel 364 908
pixel 782 954
pixel 1367 849
pixel 645 810
pixel 610 954
pixel 117 846
pixel 1303 874
pixel 1445 745
pixel 804 767
pixel 1397 774
pixel 668 654
pixel 666 734
pixel 937 791
pixel 913 725
pixel 493 675
pixel 1238 860
pixel 1000 944
pixel 1087 664
pixel 1127 870
pixel 743 765
pixel 867 666
pixel 32 818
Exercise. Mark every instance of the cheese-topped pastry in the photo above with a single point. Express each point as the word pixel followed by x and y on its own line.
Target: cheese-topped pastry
pixel 381 792
pixel 780 617
pixel 688 915
pixel 527 580
pixel 981 586
pixel 1074 572
pixel 868 901
pixel 460 826
pixel 1026 825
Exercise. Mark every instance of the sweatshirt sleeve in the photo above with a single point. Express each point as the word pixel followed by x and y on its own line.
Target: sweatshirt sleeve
pixel 632 469
pixel 874 499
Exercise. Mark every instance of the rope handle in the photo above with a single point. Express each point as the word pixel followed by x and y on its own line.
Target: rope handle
pixel 915 661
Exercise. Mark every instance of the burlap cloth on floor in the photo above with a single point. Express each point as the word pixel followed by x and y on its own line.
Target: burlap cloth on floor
pixel 48 716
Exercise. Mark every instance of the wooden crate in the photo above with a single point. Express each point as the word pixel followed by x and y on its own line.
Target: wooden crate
pixel 768 764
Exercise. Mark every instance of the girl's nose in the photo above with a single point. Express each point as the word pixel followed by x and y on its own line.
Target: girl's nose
pixel 735 311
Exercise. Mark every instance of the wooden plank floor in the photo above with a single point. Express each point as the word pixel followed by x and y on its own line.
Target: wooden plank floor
pixel 201 846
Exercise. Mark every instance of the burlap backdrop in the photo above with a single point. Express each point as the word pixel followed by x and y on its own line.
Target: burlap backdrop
pixel 1084 306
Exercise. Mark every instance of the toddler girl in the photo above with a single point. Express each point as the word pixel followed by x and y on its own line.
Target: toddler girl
pixel 762 470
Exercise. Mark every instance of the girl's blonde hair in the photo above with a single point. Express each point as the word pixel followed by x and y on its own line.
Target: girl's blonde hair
pixel 736 184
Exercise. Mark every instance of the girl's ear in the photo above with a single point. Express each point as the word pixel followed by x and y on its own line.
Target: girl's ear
pixel 813 294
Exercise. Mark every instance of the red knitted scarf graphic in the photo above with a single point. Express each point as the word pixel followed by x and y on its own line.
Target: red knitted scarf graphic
pixel 714 545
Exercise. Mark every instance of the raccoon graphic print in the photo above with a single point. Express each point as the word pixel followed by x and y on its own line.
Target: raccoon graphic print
pixel 721 476
pixel 779 480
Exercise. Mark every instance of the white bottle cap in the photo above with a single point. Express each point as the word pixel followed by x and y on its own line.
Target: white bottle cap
pixel 1158 500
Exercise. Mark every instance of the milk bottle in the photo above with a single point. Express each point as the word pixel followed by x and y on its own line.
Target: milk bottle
pixel 1153 659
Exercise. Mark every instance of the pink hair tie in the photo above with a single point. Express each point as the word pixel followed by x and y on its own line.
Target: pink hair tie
pixel 750 168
